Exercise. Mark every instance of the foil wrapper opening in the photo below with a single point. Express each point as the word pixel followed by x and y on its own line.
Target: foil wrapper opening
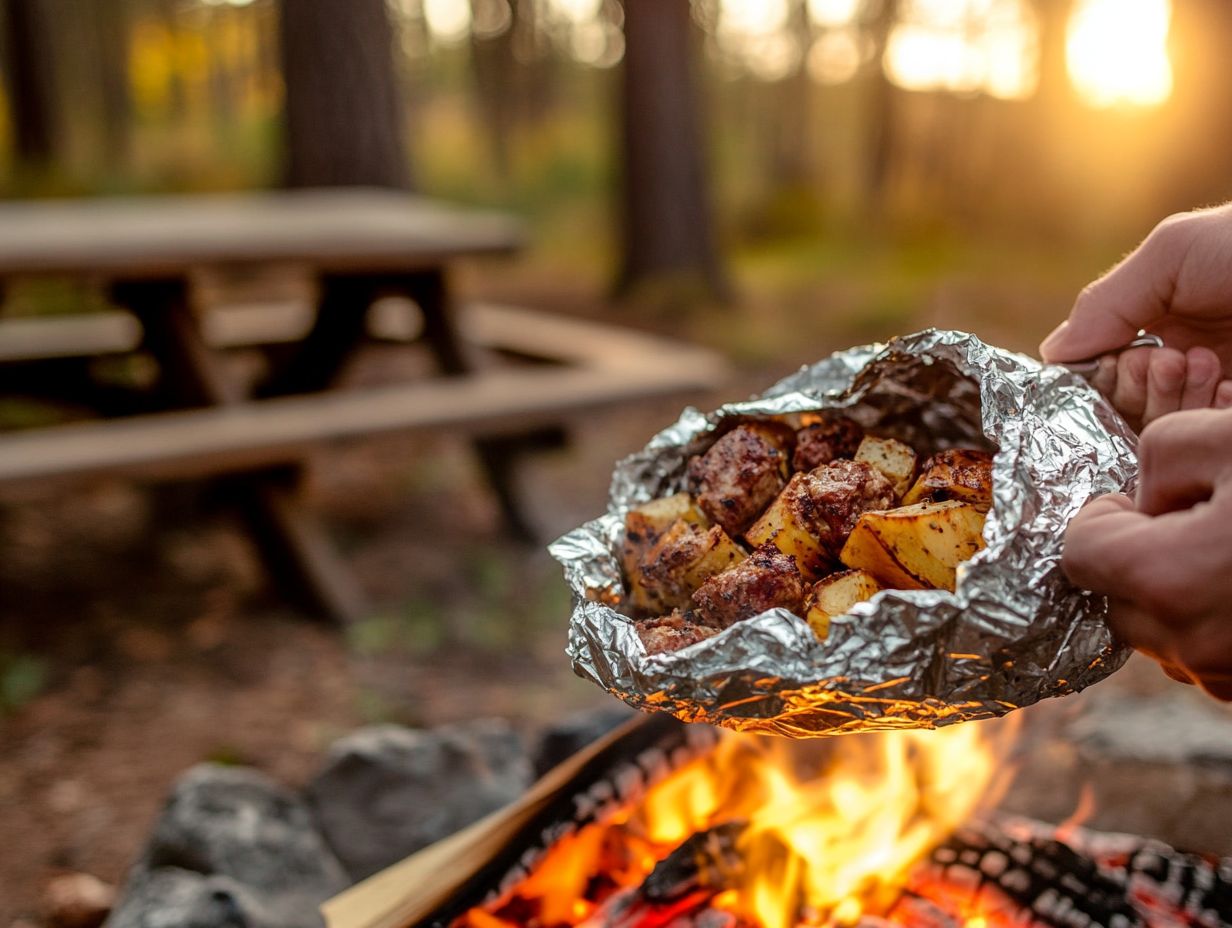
pixel 1014 631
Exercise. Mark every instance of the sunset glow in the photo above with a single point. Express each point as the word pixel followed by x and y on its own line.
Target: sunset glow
pixel 1117 52
pixel 964 46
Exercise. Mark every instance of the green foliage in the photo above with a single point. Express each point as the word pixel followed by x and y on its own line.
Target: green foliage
pixel 22 678
pixel 229 755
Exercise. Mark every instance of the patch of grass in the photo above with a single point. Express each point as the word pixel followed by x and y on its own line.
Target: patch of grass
pixel 229 755
pixel 418 630
pixel 22 678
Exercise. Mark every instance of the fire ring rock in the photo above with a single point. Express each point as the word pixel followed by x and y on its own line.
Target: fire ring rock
pixel 231 848
pixel 386 791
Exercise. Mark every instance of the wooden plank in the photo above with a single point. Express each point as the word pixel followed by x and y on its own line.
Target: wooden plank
pixel 334 230
pixel 283 430
pixel 498 327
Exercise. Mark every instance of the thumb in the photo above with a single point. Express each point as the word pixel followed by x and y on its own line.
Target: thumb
pixel 1134 295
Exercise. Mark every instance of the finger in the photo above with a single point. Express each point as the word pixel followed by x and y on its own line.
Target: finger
pixel 1105 377
pixel 1132 296
pixel 1202 373
pixel 1165 383
pixel 1181 458
pixel 1204 653
pixel 1129 395
pixel 1093 556
pixel 1137 627
pixel 1223 395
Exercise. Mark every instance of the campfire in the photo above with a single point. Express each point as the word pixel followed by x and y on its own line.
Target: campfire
pixel 665 825
pixel 769 833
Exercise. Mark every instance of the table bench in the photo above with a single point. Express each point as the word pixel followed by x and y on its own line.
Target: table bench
pixel 360 245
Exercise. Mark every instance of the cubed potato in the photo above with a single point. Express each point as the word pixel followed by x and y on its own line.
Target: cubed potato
pixel 680 562
pixel 963 474
pixel 782 525
pixel 916 547
pixel 895 460
pixel 835 595
pixel 645 525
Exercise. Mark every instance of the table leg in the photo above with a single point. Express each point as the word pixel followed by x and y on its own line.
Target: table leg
pixel 497 456
pixel 318 360
pixel 294 543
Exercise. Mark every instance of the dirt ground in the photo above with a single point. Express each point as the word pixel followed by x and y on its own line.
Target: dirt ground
pixel 139 635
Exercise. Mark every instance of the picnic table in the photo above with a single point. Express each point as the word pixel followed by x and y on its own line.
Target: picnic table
pixel 358 245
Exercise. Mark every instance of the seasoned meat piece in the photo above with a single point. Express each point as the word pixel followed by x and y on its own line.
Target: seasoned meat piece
pixel 673 632
pixel 837 494
pixel 682 559
pixel 813 516
pixel 766 579
pixel 821 442
pixel 741 473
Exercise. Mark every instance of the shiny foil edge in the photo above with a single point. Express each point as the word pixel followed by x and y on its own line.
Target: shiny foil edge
pixel 1013 632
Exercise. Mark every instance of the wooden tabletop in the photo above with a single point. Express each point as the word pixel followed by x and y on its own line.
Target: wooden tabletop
pixel 338 230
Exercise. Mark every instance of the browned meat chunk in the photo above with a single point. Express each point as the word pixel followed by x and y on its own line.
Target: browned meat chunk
pixel 812 518
pixel 765 580
pixel 741 473
pixel 673 632
pixel 682 559
pixel 821 442
pixel 838 493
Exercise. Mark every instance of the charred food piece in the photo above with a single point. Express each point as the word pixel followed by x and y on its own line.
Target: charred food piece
pixel 830 438
pixel 644 526
pixel 813 516
pixel 673 632
pixel 765 580
pixel 741 473
pixel 680 562
pixel 963 474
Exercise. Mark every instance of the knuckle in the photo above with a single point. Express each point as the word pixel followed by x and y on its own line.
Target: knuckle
pixel 1173 229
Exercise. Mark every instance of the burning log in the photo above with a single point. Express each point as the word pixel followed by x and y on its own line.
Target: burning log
pixel 681 886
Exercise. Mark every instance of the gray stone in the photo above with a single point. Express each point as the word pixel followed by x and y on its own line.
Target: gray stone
pixel 565 738
pixel 1141 754
pixel 173 898
pixel 384 792
pixel 239 823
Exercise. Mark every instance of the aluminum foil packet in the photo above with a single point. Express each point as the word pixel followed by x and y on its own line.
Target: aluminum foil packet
pixel 1014 631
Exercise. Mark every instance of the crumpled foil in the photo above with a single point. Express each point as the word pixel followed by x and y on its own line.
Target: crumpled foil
pixel 1014 631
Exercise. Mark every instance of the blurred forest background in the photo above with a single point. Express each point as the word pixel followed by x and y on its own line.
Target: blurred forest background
pixel 797 128
pixel 776 179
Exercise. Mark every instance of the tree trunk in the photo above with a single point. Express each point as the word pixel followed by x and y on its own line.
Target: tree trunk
pixel 792 139
pixel 344 121
pixel 881 138
pixel 112 42
pixel 29 78
pixel 497 78
pixel 667 225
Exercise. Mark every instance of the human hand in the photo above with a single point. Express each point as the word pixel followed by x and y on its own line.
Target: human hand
pixel 1164 559
pixel 1178 285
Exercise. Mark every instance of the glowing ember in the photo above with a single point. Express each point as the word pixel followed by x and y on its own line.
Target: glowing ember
pixel 825 833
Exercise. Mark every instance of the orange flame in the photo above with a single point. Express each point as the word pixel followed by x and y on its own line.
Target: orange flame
pixel 832 827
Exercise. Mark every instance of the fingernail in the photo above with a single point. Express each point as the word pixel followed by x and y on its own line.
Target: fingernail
pixel 1223 395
